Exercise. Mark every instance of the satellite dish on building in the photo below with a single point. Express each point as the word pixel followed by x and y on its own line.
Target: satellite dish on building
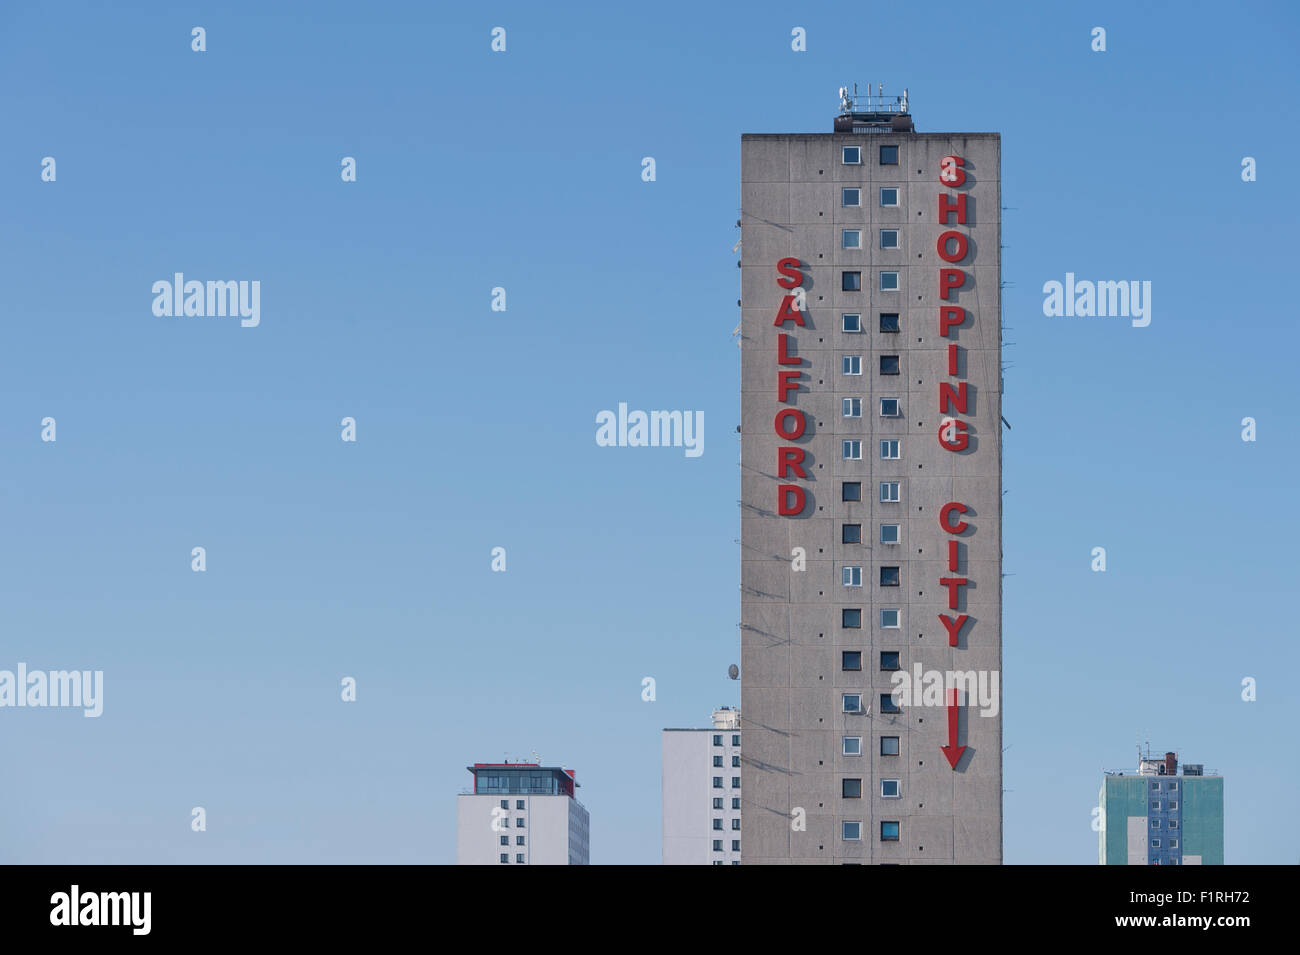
pixel 733 671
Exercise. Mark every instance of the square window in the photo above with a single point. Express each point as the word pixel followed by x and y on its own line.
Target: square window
pixel 505 804
pixel 889 832
pixel 851 788
pixel 735 739
pixel 889 155
pixel 852 407
pixel 889 660
pixel 519 840
pixel 735 845
pixel 735 761
pixel 851 281
pixel 889 281
pixel 889 533
pixel 851 659
pixel 735 825
pixel 1155 806
pixel 1173 805
pixel 852 830
pixel 519 804
pixel 851 618
pixel 1173 823
pixel 851 491
pixel 1173 785
pixel 519 857
pixel 889 365
pixel 889 450
pixel 717 802
pixel 717 782
pixel 505 840
pixel 505 857
pixel 888 196
pixel 1155 843
pixel 717 824
pixel 735 802
pixel 851 238
pixel 889 576
pixel 717 845
pixel 735 782
pixel 852 745
pixel 717 760
pixel 850 197
pixel 1155 785
pixel 852 450
pixel 887 704
pixel 519 823
pixel 852 702
pixel 1173 843
pixel 851 155
pixel 1155 823
pixel 889 619
pixel 889 321
pixel 889 788
pixel 889 492
pixel 851 322
pixel 889 408
pixel 851 534
pixel 889 746
pixel 889 238
pixel 717 739
pixel 851 576
pixel 851 364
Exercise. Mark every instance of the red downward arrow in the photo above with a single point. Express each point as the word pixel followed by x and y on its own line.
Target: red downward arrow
pixel 952 750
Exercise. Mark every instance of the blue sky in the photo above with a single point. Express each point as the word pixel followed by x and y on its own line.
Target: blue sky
pixel 475 428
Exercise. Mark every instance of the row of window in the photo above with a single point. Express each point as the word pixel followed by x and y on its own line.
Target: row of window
pixel 852 789
pixel 519 804
pixel 852 534
pixel 852 577
pixel 852 703
pixel 717 782
pixel 1172 807
pixel 735 802
pixel 717 760
pixel 717 739
pixel 1155 843
pixel 1155 785
pixel 851 281
pixel 852 831
pixel 851 617
pixel 717 845
pixel 1173 824
pixel 852 746
pixel 851 197
pixel 852 407
pixel 852 321
pixel 852 239
pixel 852 660
pixel 852 155
pixel 889 365
pixel 735 824
pixel 519 840
pixel 519 858
pixel 890 493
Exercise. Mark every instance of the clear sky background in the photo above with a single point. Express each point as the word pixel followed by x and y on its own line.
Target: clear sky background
pixel 475 428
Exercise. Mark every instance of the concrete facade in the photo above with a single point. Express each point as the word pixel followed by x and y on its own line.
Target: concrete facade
pixel 701 804
pixel 793 638
pixel 1157 817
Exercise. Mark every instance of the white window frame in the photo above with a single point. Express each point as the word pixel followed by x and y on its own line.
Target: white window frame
pixel 898 618
pixel 1155 843
pixel 844 745
pixel 851 361
pixel 844 238
pixel 844 702
pixel 851 407
pixel 897 197
pixel 844 156
pixel 883 287
pixel 851 448
pixel 844 824
pixel 898 789
pixel 1173 824
pixel 848 574
pixel 898 403
pixel 894 233
pixel 898 534
pixel 844 322
pixel 850 205
pixel 890 444
pixel 894 489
